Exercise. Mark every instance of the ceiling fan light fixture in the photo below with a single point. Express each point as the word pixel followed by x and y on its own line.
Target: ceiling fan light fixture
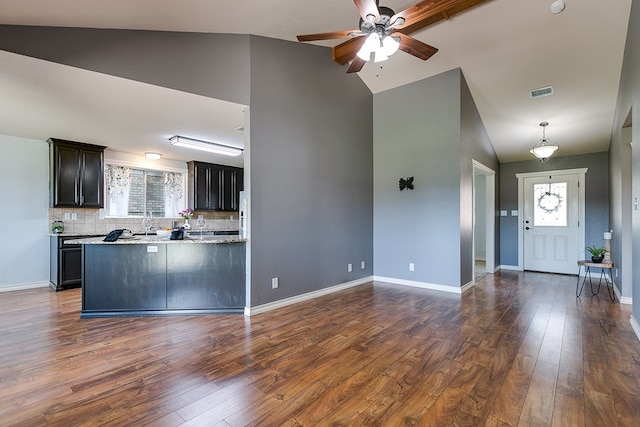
pixel 371 44
pixel 544 149
pixel 390 45
pixel 211 147
pixel 379 56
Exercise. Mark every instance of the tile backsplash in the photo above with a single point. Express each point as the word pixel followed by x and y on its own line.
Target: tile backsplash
pixel 89 221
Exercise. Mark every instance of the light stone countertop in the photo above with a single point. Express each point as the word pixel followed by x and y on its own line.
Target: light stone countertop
pixel 154 239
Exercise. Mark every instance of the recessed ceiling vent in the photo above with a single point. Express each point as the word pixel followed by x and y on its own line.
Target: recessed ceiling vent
pixel 542 91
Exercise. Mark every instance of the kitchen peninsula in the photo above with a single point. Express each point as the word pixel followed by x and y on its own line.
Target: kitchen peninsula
pixel 156 276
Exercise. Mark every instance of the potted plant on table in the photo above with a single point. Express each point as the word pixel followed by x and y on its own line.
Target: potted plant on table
pixel 597 253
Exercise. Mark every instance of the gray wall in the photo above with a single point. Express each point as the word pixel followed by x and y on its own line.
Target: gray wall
pixel 213 65
pixel 429 130
pixel 474 145
pixel 625 174
pixel 596 198
pixel 417 133
pixel 311 165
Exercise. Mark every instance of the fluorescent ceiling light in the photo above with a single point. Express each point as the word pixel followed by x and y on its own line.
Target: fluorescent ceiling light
pixel 153 156
pixel 211 147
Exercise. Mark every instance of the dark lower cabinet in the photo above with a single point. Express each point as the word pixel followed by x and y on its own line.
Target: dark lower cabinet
pixel 124 277
pixel 65 267
pixel 140 279
pixel 215 277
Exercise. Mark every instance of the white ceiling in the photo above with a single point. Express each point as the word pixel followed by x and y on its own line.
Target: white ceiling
pixel 505 48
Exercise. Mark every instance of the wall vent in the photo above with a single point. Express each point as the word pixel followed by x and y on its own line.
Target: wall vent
pixel 542 91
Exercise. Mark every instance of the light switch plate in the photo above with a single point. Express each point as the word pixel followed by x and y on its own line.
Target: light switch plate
pixel 503 213
pixel 152 249
pixel 514 213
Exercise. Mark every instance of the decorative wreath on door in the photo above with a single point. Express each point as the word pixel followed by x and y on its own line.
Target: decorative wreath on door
pixel 549 202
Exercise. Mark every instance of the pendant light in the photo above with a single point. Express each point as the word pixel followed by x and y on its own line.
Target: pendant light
pixel 544 149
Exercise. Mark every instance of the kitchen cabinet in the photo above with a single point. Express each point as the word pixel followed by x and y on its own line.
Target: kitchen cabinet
pixel 214 187
pixel 65 267
pixel 163 277
pixel 77 174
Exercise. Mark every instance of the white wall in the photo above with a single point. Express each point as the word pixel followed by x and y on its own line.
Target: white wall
pixel 24 183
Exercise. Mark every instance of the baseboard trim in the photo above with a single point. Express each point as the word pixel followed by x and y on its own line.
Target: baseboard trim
pixel 636 327
pixel 24 286
pixel 250 311
pixel 509 267
pixel 468 286
pixel 423 285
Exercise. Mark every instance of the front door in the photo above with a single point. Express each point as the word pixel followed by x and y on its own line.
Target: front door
pixel 551 223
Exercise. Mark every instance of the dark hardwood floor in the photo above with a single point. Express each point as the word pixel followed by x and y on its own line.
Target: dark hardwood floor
pixel 518 349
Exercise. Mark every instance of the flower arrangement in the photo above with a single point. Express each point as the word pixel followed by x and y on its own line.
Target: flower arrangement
pixel 186 214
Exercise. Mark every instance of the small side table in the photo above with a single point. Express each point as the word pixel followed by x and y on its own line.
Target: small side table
pixel 602 266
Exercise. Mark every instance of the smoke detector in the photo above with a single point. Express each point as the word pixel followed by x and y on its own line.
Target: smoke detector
pixel 557 6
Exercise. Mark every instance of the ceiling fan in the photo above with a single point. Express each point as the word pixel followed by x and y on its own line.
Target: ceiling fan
pixel 382 31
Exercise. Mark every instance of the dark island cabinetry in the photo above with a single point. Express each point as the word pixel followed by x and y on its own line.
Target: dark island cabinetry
pixel 126 277
pixel 141 279
pixel 77 174
pixel 214 187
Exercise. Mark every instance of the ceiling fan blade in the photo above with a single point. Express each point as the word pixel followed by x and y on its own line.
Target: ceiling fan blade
pixel 415 47
pixel 428 12
pixel 327 36
pixel 356 65
pixel 346 51
pixel 366 8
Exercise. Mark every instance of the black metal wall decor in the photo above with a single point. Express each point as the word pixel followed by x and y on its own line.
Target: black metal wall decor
pixel 406 183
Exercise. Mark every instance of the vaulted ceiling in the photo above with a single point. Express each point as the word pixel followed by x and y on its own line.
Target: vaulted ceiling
pixel 505 49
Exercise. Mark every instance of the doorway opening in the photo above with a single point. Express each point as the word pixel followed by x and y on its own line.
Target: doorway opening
pixel 484 197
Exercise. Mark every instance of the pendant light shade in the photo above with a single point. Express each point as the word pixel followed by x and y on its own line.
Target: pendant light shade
pixel 544 149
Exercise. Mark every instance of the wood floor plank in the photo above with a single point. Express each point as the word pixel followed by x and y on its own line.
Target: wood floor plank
pixel 517 349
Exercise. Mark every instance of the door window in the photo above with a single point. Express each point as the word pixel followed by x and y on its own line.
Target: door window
pixel 549 204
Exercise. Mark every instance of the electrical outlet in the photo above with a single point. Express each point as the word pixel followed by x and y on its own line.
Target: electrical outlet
pixel 67 216
pixel 412 266
pixel 74 216
pixel 362 265
pixel 274 283
pixel 349 268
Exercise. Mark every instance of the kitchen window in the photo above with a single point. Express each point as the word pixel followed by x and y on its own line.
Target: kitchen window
pixel 133 191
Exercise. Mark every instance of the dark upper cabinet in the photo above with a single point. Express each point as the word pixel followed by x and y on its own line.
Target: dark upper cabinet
pixel 214 187
pixel 232 184
pixel 77 174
